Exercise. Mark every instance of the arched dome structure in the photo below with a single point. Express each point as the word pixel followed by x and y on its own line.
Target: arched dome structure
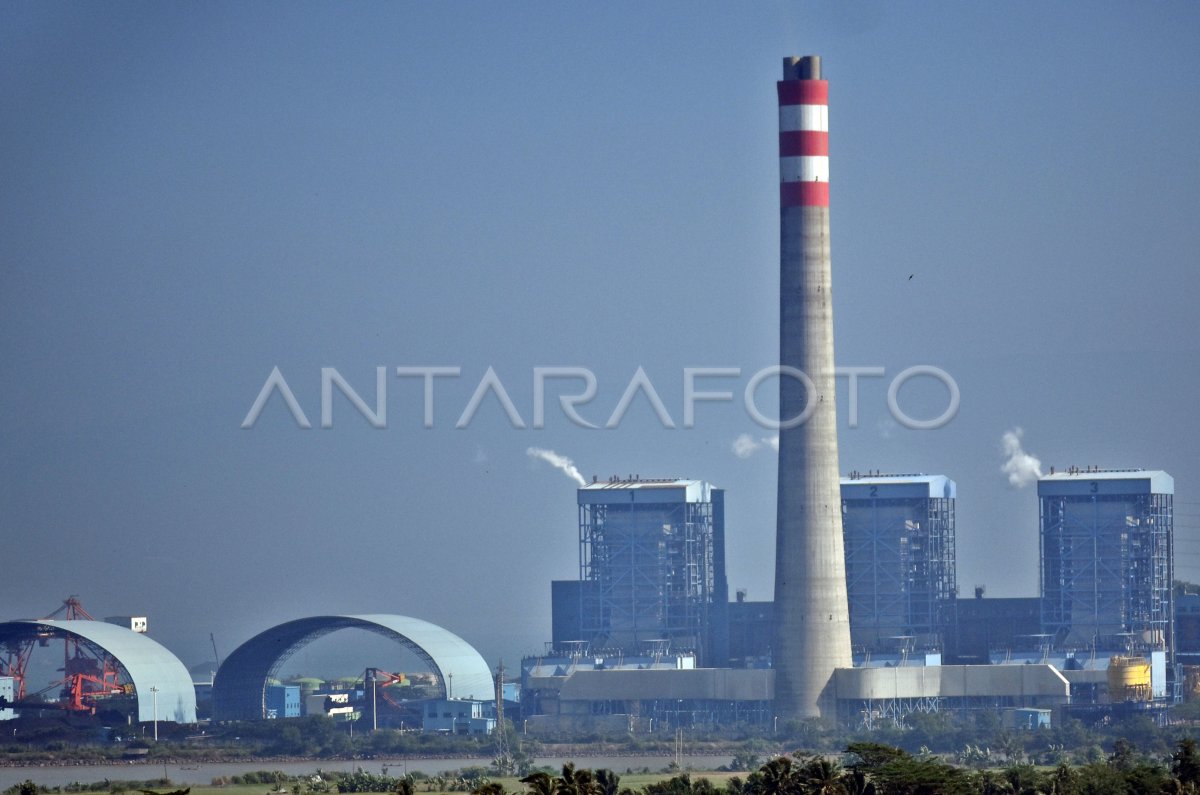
pixel 162 683
pixel 239 689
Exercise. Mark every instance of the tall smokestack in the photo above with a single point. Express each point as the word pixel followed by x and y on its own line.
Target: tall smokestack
pixel 812 620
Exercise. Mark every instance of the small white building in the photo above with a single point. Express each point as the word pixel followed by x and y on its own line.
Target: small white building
pixel 459 716
pixel 138 624
pixel 336 705
pixel 8 694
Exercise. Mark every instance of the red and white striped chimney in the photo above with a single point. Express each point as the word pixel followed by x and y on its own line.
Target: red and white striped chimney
pixel 804 143
pixel 812 621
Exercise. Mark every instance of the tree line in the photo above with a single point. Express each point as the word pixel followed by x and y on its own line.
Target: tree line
pixel 876 769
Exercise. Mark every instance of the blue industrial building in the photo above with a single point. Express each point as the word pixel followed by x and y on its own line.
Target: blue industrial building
pixel 283 701
pixel 898 533
pixel 651 570
pixel 1107 539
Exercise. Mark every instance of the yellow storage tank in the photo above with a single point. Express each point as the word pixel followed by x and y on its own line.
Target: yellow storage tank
pixel 1128 679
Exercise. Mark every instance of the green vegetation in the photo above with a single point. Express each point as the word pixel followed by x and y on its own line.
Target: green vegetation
pixel 931 753
pixel 864 768
pixel 975 739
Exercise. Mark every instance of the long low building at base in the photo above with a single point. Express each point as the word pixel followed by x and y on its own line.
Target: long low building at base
pixel 631 700
pixel 866 695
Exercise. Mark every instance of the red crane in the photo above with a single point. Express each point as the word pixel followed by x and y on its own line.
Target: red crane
pixel 88 675
pixel 384 681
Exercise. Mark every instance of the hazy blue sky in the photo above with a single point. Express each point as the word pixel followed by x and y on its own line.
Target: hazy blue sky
pixel 194 194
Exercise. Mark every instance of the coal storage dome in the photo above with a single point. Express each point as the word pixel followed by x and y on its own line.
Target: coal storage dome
pixel 163 685
pixel 239 689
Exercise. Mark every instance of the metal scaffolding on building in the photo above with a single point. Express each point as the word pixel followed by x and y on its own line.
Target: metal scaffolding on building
pixel 1107 559
pixel 647 567
pixel 900 565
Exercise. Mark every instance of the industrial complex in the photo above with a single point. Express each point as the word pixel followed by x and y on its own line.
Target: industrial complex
pixel 867 624
pixel 648 636
pixel 915 643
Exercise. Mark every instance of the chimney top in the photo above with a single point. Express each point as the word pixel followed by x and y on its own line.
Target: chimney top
pixel 804 67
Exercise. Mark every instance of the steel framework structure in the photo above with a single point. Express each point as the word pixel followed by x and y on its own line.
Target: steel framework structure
pixel 869 714
pixel 664 714
pixel 1107 570
pixel 900 569
pixel 873 713
pixel 651 569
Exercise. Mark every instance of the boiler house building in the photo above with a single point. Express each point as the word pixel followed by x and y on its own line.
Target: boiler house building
pixel 651 570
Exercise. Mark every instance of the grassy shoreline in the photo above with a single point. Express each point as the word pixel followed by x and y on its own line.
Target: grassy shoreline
pixel 317 781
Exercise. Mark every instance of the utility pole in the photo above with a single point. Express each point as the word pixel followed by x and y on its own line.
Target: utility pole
pixel 504 758
pixel 154 698
pixel 374 705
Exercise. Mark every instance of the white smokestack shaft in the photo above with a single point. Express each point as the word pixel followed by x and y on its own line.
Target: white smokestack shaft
pixel 812 621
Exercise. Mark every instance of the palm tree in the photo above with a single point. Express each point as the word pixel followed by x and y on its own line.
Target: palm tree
pixel 575 782
pixel 607 782
pixel 1012 746
pixel 989 782
pixel 777 777
pixel 1024 778
pixel 820 776
pixel 857 782
pixel 1185 762
pixel 539 783
pixel 1064 780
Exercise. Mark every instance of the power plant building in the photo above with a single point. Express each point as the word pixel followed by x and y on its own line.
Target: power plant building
pixel 1107 559
pixel 900 572
pixel 651 570
pixel 864 566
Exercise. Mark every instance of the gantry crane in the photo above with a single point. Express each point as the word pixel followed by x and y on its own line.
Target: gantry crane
pixel 383 681
pixel 88 675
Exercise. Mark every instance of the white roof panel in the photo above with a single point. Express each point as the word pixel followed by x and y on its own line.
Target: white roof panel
pixel 897 486
pixel 645 491
pixel 1140 481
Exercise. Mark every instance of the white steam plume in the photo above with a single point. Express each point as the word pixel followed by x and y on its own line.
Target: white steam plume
pixel 560 462
pixel 1021 468
pixel 744 446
